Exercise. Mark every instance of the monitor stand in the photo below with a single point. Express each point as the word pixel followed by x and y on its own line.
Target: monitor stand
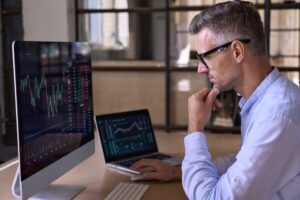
pixel 58 192
pixel 52 192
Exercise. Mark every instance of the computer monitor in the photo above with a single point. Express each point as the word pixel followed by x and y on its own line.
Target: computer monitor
pixel 54 113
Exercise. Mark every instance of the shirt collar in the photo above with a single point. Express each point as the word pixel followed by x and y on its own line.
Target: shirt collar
pixel 246 104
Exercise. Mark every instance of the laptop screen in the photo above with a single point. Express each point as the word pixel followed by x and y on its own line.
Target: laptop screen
pixel 125 135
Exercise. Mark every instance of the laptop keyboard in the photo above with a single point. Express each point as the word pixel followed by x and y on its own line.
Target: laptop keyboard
pixel 128 163
pixel 127 191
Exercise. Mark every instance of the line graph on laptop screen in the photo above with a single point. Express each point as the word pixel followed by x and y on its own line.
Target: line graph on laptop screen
pixel 127 134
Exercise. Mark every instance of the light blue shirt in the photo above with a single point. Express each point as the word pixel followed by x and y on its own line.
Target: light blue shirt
pixel 267 166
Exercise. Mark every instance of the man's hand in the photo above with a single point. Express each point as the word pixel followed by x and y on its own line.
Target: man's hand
pixel 200 106
pixel 162 171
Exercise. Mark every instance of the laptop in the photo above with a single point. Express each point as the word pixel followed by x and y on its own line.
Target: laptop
pixel 127 137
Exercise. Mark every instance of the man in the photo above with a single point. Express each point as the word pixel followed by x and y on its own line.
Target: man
pixel 233 54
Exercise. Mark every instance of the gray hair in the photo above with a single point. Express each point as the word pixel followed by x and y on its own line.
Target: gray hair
pixel 232 20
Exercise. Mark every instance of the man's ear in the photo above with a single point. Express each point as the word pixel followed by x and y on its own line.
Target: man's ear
pixel 238 51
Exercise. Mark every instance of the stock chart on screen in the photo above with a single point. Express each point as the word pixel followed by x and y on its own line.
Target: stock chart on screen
pixel 126 134
pixel 55 101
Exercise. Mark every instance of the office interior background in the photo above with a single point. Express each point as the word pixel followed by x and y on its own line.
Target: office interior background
pixel 143 56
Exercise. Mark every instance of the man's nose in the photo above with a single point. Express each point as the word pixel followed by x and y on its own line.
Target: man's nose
pixel 202 68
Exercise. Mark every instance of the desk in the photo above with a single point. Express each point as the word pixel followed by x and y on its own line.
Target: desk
pixel 99 180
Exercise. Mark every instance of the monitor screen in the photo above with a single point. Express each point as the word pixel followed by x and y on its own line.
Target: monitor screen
pixel 54 107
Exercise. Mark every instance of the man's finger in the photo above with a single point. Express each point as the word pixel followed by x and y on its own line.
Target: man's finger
pixel 217 103
pixel 149 176
pixel 203 93
pixel 144 163
pixel 212 96
pixel 139 164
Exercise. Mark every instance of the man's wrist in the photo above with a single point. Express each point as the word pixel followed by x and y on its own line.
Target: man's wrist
pixel 192 129
pixel 177 174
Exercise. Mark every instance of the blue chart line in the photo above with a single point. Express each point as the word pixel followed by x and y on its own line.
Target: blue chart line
pixel 127 135
pixel 39 132
pixel 125 130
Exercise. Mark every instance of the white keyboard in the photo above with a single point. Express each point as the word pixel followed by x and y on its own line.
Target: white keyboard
pixel 126 191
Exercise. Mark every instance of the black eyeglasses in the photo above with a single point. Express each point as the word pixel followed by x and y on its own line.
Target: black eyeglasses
pixel 218 49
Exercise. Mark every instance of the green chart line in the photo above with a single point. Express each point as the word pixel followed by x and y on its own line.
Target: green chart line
pixel 35 86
